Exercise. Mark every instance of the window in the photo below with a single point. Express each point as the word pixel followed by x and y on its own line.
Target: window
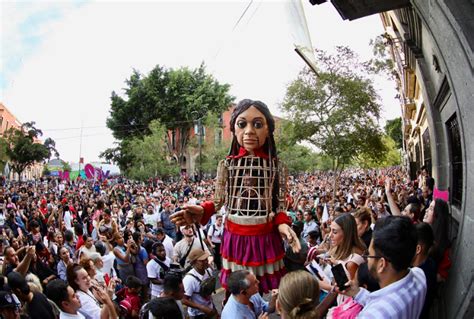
pixel 427 150
pixel 455 157
pixel 417 156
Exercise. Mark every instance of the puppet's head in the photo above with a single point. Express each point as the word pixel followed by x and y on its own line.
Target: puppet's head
pixel 252 126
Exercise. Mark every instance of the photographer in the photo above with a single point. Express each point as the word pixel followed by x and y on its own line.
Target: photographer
pixel 156 269
pixel 12 262
pixel 123 254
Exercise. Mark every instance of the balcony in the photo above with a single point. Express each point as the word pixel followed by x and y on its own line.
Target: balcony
pixel 354 9
pixel 410 108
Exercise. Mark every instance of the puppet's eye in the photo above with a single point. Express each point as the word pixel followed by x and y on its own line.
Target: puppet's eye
pixel 241 124
pixel 258 124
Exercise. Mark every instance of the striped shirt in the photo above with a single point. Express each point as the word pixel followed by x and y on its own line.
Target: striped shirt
pixel 403 299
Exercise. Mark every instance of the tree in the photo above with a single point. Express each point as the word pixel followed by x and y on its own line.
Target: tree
pixel 336 111
pixel 66 167
pixel 151 155
pixel 391 157
pixel 23 147
pixel 3 155
pixel 393 128
pixel 177 98
pixel 297 158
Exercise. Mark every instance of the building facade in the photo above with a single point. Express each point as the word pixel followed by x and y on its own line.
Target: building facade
pixel 432 43
pixel 7 121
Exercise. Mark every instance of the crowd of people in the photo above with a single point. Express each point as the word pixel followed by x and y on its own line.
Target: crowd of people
pixel 109 249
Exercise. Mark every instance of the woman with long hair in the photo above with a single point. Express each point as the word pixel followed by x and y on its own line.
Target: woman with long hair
pixel 346 248
pixel 95 302
pixel 437 215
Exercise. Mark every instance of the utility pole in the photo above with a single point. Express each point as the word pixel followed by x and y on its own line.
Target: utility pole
pixel 200 148
pixel 80 148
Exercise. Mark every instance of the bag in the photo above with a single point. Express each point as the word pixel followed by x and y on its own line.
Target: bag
pixel 207 286
pixel 182 261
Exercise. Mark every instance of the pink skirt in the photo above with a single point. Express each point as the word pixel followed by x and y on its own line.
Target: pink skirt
pixel 260 254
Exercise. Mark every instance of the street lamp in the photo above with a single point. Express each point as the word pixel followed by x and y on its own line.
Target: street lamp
pixel 199 124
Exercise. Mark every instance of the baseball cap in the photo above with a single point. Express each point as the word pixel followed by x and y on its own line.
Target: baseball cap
pixel 17 281
pixel 8 300
pixel 181 228
pixel 198 254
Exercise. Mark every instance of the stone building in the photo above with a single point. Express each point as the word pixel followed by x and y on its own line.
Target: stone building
pixel 432 43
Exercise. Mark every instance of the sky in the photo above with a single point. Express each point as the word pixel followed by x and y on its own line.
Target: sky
pixel 60 60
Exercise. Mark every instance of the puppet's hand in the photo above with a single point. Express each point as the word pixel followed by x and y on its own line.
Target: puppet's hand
pixel 288 233
pixel 190 214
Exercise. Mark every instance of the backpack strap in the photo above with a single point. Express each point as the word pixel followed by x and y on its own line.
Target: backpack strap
pixel 196 277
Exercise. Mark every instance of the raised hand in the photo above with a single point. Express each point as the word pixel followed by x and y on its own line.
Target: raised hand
pixel 190 214
pixel 290 236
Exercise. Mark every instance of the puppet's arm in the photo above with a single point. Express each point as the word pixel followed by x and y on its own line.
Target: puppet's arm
pixel 220 186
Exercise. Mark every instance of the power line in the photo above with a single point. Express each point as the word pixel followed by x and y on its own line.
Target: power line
pixel 233 29
pixel 120 125
pixel 242 15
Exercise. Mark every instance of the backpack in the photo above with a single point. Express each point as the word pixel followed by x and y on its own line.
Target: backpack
pixel 207 286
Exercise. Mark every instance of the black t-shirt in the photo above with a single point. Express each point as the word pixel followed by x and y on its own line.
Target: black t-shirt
pixel 39 307
pixel 9 269
pixel 367 237
pixel 430 269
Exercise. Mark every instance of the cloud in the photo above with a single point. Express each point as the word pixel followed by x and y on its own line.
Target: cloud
pixel 24 26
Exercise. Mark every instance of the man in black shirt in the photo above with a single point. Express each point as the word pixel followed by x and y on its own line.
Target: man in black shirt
pixel 35 304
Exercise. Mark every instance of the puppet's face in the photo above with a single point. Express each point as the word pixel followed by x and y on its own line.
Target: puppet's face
pixel 251 129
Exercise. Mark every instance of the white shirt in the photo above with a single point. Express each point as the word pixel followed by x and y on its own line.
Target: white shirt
pixel 63 315
pixel 153 272
pixel 168 243
pixel 90 306
pixel 87 251
pixel 309 226
pixel 191 289
pixel 67 219
pixel 152 219
pixel 108 260
pixel 182 247
pixel 215 232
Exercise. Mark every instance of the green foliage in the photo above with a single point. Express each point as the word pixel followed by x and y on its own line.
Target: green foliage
pixel 175 97
pixel 337 111
pixel 24 149
pixel 46 171
pixel 211 156
pixel 297 158
pixel 66 167
pixel 382 61
pixel 151 155
pixel 3 154
pixel 393 128
pixel 391 157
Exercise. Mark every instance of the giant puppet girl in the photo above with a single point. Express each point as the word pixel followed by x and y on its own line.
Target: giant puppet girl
pixel 252 183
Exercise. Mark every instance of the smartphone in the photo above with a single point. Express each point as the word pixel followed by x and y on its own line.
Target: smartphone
pixel 340 276
pixel 29 239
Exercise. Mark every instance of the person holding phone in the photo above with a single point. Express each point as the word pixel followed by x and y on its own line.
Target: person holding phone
pixel 346 248
pixel 402 289
pixel 95 301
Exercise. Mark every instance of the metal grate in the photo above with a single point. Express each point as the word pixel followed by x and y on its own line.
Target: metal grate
pixel 250 186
